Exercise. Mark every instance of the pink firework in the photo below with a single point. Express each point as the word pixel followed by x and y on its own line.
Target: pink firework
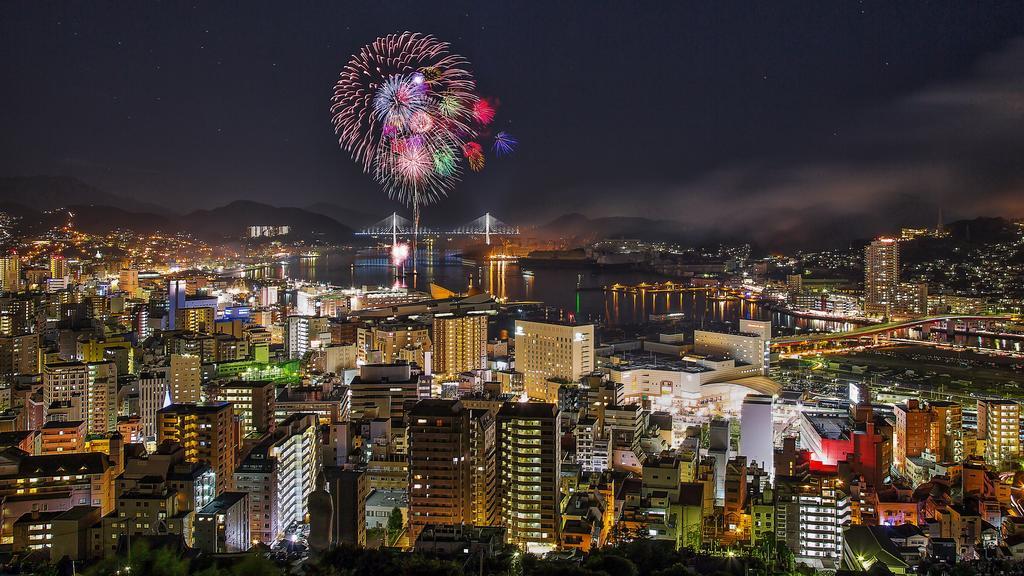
pixel 414 164
pixel 399 254
pixel 421 122
pixel 420 61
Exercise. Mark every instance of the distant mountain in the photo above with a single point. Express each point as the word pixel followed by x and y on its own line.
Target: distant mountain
pixel 982 230
pixel 355 219
pixel 42 193
pixel 230 221
pixel 224 223
pixel 580 227
pixel 96 219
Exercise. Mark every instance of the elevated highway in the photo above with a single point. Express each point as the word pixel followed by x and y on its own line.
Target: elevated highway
pixel 884 328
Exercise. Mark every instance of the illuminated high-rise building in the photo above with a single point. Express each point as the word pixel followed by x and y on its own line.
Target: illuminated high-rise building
pixel 178 302
pixel 206 432
pixel 197 319
pixel 811 511
pixel 82 391
pixel 999 426
pixel 382 390
pixel 253 401
pixel 10 273
pixel 755 444
pixel 153 395
pixel 529 472
pixel 391 339
pixel 546 350
pixel 279 474
pixel 946 439
pixel 460 343
pixel 58 266
pixel 128 282
pixel 881 276
pixel 306 333
pixel 439 465
pixel 66 382
pixel 102 401
pixel 483 453
pixel 175 302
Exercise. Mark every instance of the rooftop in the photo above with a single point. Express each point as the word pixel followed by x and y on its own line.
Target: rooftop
pixel 223 502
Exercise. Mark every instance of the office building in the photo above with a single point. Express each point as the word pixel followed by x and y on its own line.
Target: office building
pixel 750 345
pixel 529 472
pixel 545 350
pixel 381 391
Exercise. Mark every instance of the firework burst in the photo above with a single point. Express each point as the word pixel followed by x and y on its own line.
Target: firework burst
pixel 403 108
pixel 483 112
pixel 445 162
pixel 385 84
pixel 398 101
pixel 474 154
pixel 504 144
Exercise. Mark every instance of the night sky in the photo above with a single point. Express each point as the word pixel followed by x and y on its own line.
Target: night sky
pixel 773 117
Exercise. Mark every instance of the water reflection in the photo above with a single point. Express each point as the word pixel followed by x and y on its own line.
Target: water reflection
pixel 567 291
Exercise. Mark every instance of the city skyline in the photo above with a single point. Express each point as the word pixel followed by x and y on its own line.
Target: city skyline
pixel 578 289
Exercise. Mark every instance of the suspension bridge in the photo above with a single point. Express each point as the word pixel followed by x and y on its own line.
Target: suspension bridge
pixel 395 226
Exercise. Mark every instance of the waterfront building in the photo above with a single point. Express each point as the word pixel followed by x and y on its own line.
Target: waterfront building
pixel 546 350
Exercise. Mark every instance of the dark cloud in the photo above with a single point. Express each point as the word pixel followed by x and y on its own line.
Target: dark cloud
pixel 955 146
